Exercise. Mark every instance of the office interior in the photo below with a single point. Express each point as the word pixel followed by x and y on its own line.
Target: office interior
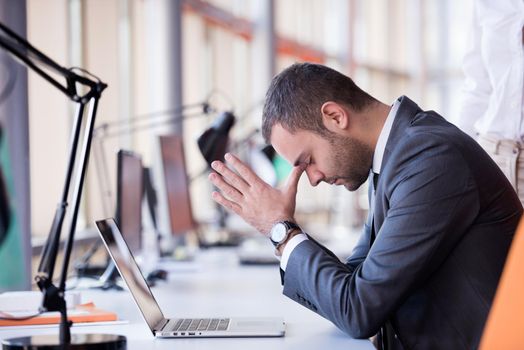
pixel 158 56
pixel 173 69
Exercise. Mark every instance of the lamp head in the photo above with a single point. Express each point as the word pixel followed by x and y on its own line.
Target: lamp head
pixel 214 141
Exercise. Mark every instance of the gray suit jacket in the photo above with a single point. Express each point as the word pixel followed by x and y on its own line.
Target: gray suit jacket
pixel 444 217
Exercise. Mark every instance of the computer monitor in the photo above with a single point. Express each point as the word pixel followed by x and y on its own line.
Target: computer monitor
pixel 129 198
pixel 176 184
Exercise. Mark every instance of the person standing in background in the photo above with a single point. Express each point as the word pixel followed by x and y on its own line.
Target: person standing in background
pixel 492 108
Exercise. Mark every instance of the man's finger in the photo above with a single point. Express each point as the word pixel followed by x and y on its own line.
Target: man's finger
pixel 229 191
pixel 230 176
pixel 220 199
pixel 294 177
pixel 242 169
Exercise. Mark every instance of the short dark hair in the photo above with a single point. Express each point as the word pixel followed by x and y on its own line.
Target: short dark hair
pixel 296 95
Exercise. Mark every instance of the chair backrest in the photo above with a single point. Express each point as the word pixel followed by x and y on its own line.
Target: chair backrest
pixel 505 325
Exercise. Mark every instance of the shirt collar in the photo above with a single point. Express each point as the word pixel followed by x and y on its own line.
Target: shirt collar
pixel 383 138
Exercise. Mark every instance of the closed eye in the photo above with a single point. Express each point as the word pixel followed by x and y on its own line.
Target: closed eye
pixel 306 162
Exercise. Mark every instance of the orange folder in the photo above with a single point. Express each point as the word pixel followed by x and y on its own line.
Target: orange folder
pixel 80 314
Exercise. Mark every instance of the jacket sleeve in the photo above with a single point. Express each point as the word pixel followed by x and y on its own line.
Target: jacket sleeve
pixel 432 200
pixel 361 249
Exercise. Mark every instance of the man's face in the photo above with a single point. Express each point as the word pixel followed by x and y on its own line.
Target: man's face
pixel 335 159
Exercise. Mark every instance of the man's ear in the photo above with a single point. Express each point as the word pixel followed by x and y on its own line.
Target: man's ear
pixel 335 117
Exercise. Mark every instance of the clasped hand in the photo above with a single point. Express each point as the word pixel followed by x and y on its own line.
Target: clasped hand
pixel 247 195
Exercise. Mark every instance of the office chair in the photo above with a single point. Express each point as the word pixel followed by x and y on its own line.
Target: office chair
pixel 505 325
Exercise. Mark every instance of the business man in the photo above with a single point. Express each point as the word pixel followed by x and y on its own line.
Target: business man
pixel 441 219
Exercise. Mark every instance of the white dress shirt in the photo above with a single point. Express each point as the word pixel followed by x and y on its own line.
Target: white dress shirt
pixel 493 91
pixel 376 166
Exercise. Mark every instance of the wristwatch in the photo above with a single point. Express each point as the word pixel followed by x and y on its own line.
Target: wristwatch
pixel 280 232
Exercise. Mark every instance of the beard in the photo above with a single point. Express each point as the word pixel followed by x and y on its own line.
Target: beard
pixel 353 159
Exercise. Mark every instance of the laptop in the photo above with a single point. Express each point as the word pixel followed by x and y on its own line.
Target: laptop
pixel 177 327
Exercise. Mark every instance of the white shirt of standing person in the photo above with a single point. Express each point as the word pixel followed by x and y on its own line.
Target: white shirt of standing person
pixel 493 94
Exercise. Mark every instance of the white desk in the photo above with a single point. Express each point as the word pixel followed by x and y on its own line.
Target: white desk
pixel 216 286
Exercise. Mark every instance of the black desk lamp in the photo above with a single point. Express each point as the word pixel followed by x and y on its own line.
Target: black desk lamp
pixel 53 296
pixel 213 144
pixel 214 141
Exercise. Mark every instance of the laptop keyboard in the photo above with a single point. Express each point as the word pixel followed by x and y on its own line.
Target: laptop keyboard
pixel 199 324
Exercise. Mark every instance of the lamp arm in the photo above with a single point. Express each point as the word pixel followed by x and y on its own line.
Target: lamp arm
pixel 46 266
pixel 80 180
pixel 147 120
pixel 105 131
pixel 37 61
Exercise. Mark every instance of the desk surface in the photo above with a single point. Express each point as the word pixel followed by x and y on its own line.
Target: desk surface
pixel 215 286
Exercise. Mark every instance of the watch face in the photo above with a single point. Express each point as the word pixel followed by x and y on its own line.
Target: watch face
pixel 278 232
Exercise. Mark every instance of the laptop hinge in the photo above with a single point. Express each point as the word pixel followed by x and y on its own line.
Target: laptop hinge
pixel 160 326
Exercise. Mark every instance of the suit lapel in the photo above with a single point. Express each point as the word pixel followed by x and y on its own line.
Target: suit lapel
pixel 406 113
pixel 372 184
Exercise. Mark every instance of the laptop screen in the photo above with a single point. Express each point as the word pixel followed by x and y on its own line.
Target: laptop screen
pixel 130 272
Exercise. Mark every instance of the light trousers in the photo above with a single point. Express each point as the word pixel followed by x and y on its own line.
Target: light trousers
pixel 509 156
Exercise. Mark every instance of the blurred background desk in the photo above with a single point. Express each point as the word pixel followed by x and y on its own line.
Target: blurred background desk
pixel 215 285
